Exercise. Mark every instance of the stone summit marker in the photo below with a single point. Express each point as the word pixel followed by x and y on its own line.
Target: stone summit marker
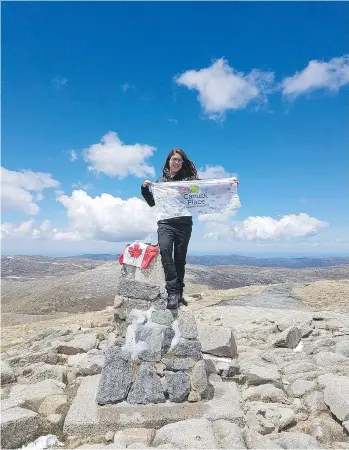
pixel 154 372
pixel 160 358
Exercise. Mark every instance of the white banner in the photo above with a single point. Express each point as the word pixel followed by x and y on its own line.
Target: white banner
pixel 193 198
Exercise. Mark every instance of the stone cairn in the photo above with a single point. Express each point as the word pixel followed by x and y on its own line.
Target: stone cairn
pixel 157 355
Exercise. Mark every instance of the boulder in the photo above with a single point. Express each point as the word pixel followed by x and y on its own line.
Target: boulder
pixel 289 338
pixel 314 401
pixel 147 387
pixel 187 325
pixel 225 367
pixel 299 367
pixel 42 371
pixel 326 430
pixel 124 438
pixel 279 355
pixel 308 376
pixel 320 344
pixel 292 440
pixel 186 347
pixel 199 377
pixel 116 377
pixel 178 385
pixel 48 357
pixel 257 375
pixel 328 359
pixel 162 317
pixel 90 364
pixel 19 426
pixel 191 433
pixel 52 404
pixel 217 341
pixel 265 393
pixel 32 395
pixel 342 347
pixel 301 387
pixel 153 341
pixel 228 435
pixel 194 397
pixel 55 422
pixel 255 440
pixel 336 397
pixel 177 363
pixel 152 275
pixel 137 290
pixel 82 343
pixel 7 373
pixel 269 418
pixel 226 403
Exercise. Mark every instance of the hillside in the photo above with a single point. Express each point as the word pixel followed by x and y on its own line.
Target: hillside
pixel 239 260
pixel 39 285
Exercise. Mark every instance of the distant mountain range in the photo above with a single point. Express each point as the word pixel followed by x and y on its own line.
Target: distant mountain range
pixel 238 260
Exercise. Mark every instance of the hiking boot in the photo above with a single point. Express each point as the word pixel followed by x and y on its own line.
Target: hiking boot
pixel 183 301
pixel 172 301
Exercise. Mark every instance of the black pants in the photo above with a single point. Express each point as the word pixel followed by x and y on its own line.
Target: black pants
pixel 174 239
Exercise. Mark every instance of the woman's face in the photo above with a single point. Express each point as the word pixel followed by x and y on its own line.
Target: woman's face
pixel 176 163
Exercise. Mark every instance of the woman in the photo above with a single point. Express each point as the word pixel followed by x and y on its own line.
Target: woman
pixel 173 234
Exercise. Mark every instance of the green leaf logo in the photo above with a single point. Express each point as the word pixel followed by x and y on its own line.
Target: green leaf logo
pixel 194 189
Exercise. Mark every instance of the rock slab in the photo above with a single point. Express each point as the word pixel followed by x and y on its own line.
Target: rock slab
pixel 289 338
pixel 7 374
pixel 116 377
pixel 217 341
pixel 18 427
pixel 336 397
pixel 147 387
pixel 191 433
pixel 178 385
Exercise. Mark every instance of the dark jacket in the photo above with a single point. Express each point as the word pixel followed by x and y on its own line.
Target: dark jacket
pixel 149 198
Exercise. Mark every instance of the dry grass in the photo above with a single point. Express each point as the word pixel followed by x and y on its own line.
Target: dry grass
pixel 13 335
pixel 324 295
pixel 211 297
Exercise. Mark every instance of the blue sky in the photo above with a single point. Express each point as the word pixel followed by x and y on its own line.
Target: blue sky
pixel 254 89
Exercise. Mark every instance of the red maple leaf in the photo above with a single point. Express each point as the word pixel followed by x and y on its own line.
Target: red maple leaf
pixel 135 251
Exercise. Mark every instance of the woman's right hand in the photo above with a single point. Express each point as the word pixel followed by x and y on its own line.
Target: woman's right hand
pixel 147 183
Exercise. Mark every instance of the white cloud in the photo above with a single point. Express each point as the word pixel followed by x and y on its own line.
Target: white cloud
pixel 222 88
pixel 108 218
pixel 264 228
pixel 73 156
pixel 126 86
pixel 175 121
pixel 331 75
pixel 44 232
pixel 16 189
pixel 78 185
pixel 116 159
pixel 104 218
pixel 210 172
pixel 10 230
pixel 59 82
pixel 39 197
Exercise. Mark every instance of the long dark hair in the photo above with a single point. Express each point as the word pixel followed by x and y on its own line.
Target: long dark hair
pixel 188 169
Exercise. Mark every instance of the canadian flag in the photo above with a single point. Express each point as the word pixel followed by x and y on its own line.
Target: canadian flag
pixel 139 254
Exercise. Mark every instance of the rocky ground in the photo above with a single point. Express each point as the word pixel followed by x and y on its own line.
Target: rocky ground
pixel 287 388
